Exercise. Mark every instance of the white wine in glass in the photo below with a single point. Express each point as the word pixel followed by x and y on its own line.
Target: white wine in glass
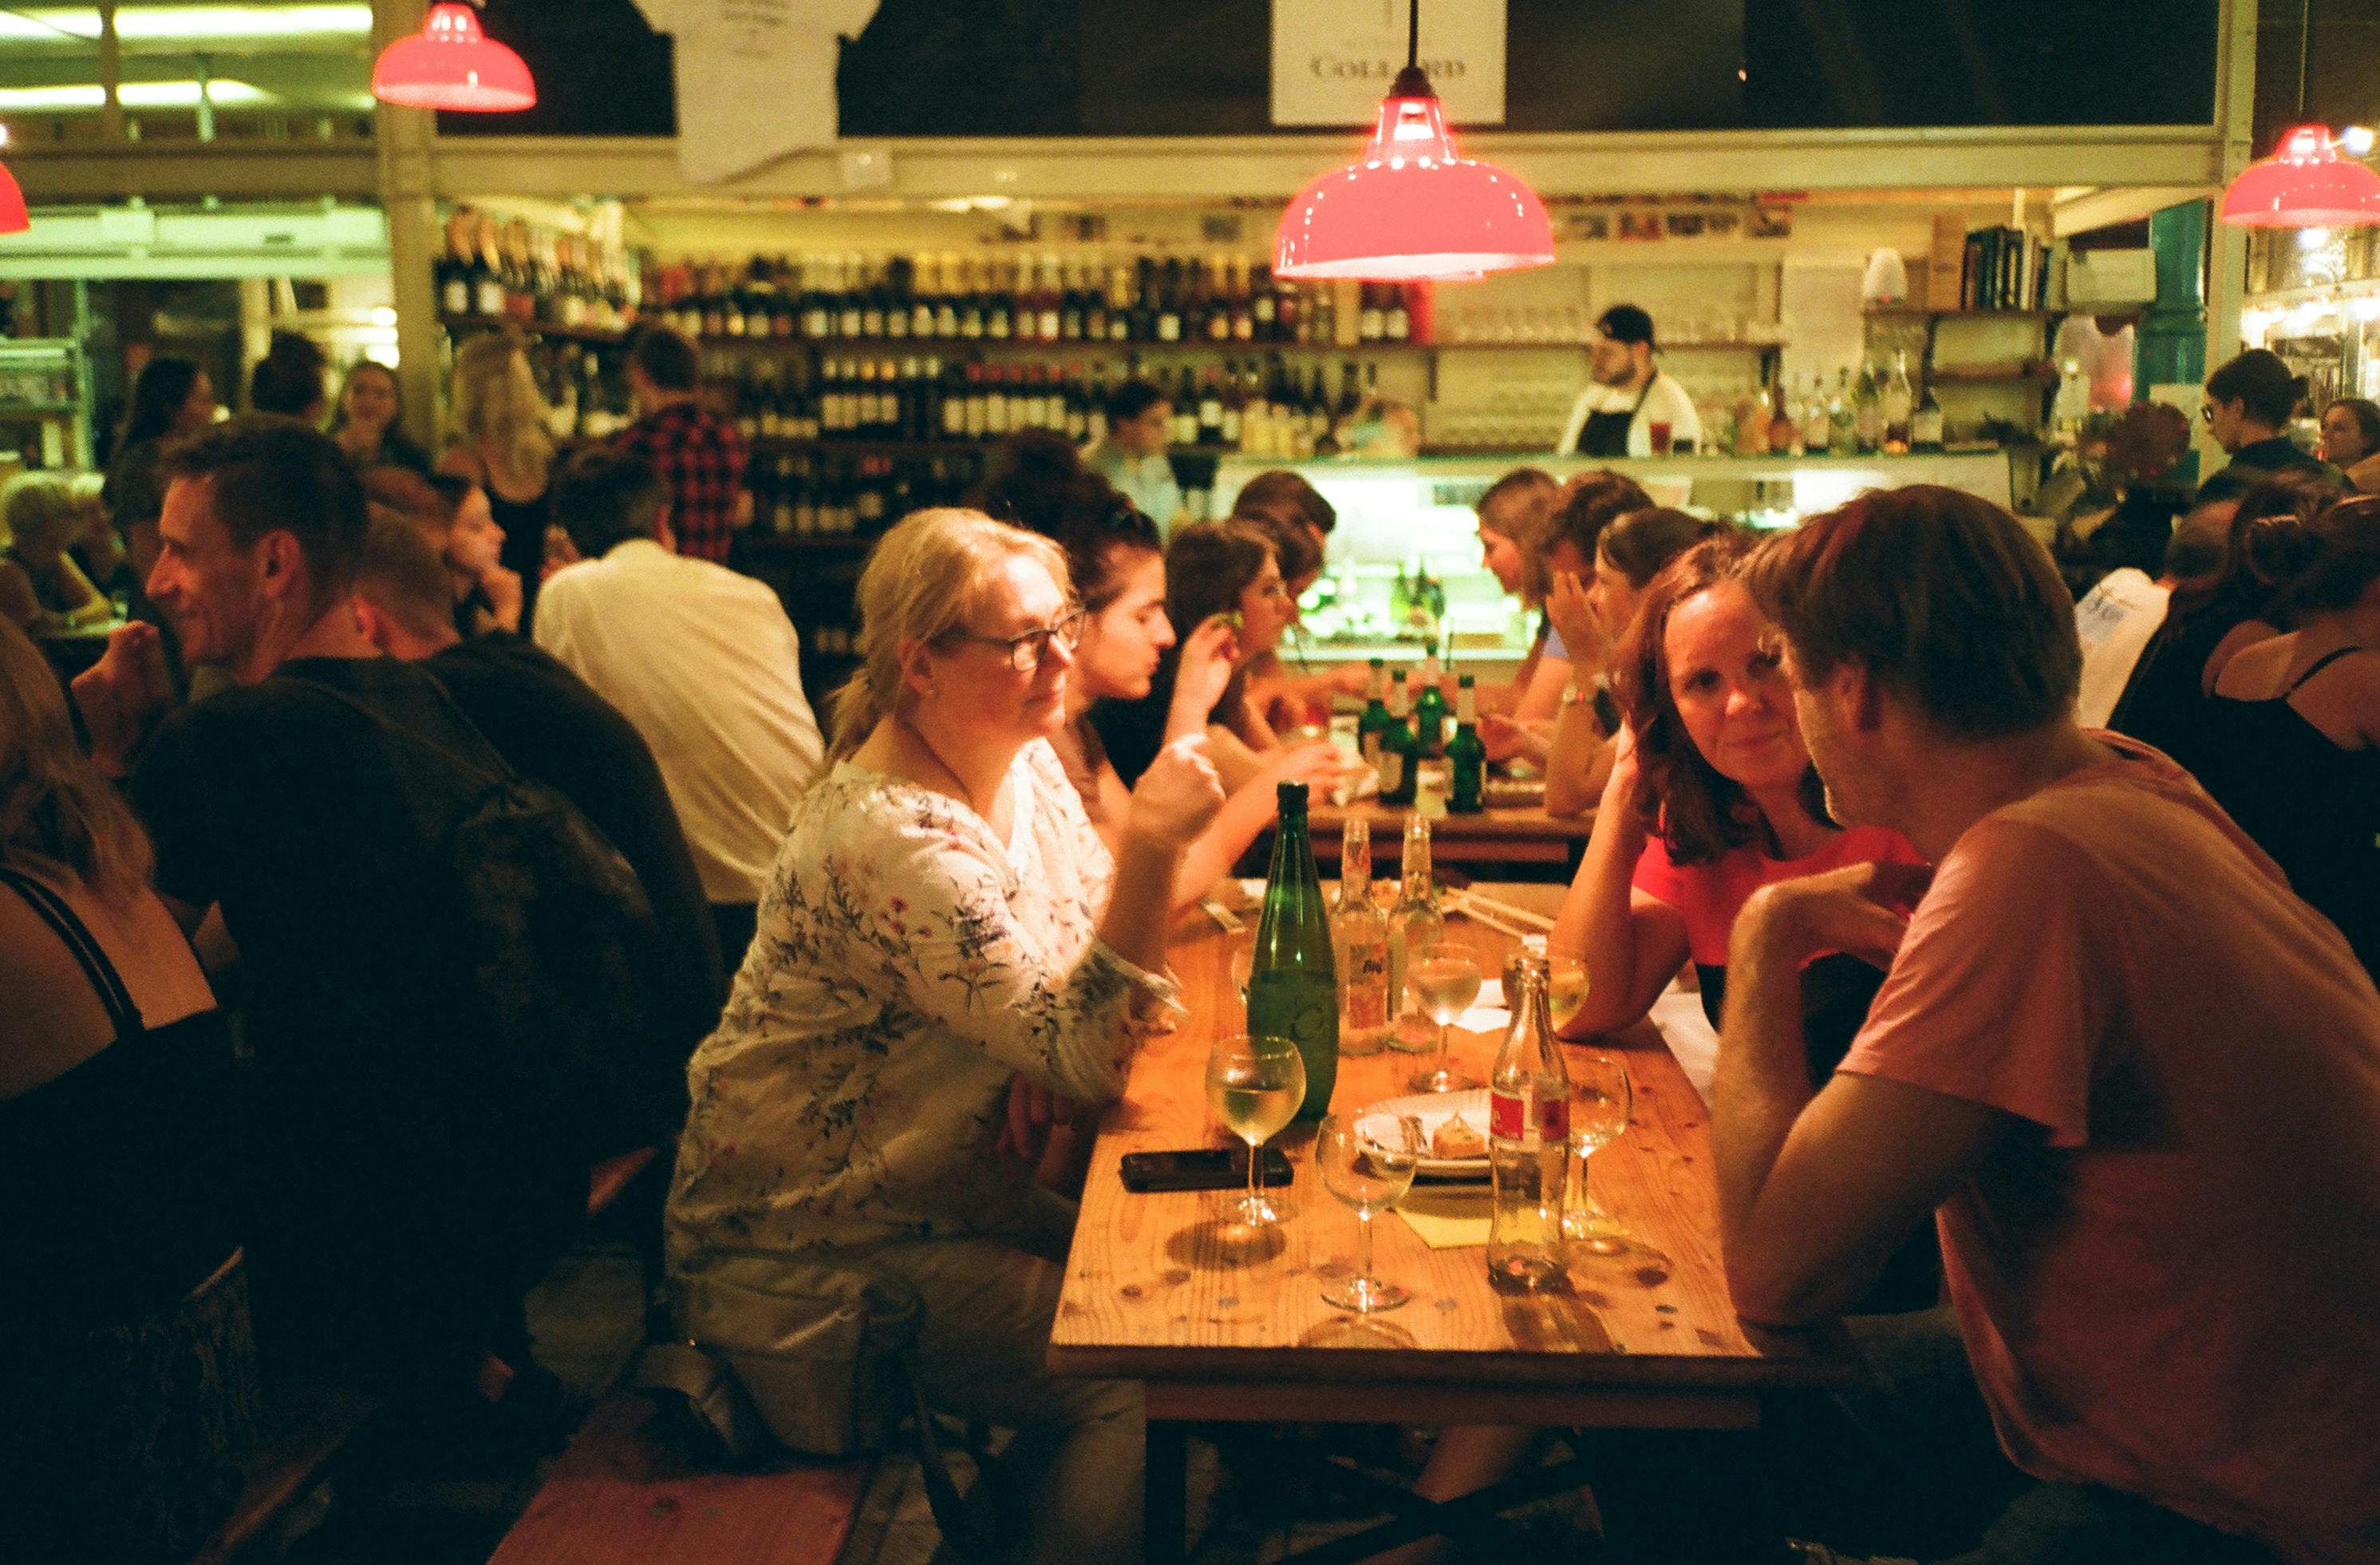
pixel 1600 1101
pixel 1565 992
pixel 1370 1165
pixel 1444 979
pixel 1257 1086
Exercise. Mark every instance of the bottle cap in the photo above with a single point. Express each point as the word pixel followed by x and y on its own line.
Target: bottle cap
pixel 1292 796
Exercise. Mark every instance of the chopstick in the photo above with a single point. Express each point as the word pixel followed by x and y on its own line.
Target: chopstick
pixel 1225 920
pixel 1536 921
pixel 1464 904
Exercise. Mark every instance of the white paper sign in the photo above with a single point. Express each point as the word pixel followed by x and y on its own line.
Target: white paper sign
pixel 1332 60
pixel 755 78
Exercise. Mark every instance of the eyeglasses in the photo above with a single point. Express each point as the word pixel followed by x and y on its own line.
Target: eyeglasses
pixel 1026 652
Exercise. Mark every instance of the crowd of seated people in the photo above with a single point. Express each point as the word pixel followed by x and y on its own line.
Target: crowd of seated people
pixel 2051 1052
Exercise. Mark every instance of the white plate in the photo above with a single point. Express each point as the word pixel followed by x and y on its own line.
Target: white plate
pixel 1433 1110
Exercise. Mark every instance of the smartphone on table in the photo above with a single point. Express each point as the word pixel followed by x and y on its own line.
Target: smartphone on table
pixel 1208 1168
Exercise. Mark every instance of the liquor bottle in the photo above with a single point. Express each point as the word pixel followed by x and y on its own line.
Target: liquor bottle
pixel 1293 982
pixel 1925 424
pixel 1841 417
pixel 1375 721
pixel 1817 425
pixel 1396 321
pixel 454 269
pixel 1429 707
pixel 1898 403
pixel 1528 1142
pixel 1359 931
pixel 1867 412
pixel 1415 924
pixel 1785 421
pixel 1210 410
pixel 1466 754
pixel 1400 754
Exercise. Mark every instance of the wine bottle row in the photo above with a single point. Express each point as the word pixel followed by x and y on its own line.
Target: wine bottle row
pixel 520 271
pixel 831 495
pixel 1049 299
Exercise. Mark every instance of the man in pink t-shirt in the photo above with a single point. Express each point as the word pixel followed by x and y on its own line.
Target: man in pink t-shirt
pixel 2136 1080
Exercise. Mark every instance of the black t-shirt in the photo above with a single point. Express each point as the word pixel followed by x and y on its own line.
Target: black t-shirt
pixel 407 1189
pixel 554 730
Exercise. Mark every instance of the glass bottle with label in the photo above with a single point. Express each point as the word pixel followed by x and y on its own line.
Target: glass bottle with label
pixel 1466 754
pixel 1292 979
pixel 1400 751
pixel 1375 721
pixel 1429 707
pixel 1359 931
pixel 1528 1143
pixel 1413 924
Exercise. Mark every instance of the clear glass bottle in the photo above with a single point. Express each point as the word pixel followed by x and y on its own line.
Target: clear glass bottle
pixel 1414 923
pixel 1528 1143
pixel 1359 929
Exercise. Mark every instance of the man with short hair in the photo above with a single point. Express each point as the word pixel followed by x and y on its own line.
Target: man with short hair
pixel 1132 455
pixel 2138 1078
pixel 1627 395
pixel 2118 618
pixel 554 730
pixel 702 660
pixel 409 1188
pixel 698 455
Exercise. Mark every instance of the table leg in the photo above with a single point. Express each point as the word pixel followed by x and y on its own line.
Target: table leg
pixel 1165 1518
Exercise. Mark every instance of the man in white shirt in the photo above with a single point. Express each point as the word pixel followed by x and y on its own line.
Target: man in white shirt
pixel 1132 455
pixel 1626 396
pixel 702 660
pixel 2117 619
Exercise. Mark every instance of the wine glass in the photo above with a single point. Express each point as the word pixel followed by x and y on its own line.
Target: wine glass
pixel 1257 1086
pixel 1599 1105
pixel 1369 1163
pixel 1565 990
pixel 1445 980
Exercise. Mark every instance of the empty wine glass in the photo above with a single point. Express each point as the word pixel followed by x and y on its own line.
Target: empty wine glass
pixel 1599 1105
pixel 1257 1086
pixel 1368 1163
pixel 1444 979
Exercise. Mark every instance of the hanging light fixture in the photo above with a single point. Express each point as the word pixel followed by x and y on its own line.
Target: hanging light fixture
pixel 2305 183
pixel 1411 208
pixel 14 219
pixel 449 63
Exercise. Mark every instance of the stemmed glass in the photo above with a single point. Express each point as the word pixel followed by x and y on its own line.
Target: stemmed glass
pixel 1445 980
pixel 1565 992
pixel 1369 1164
pixel 1599 1105
pixel 1257 1086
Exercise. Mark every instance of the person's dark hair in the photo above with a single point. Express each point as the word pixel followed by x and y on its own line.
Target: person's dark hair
pixel 1626 324
pixel 266 474
pixel 1698 811
pixel 1520 506
pixel 158 393
pixel 2366 414
pixel 2270 539
pixel 1133 398
pixel 603 498
pixel 1207 565
pixel 2196 550
pixel 1944 598
pixel 1292 544
pixel 1590 503
pixel 2345 562
pixel 667 359
pixel 1103 534
pixel 290 377
pixel 1639 543
pixel 400 573
pixel 429 499
pixel 2261 380
pixel 1278 491
pixel 1028 480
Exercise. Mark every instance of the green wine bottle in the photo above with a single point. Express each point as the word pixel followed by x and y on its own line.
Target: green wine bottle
pixel 1400 762
pixel 1467 755
pixel 1429 707
pixel 1292 979
pixel 1375 721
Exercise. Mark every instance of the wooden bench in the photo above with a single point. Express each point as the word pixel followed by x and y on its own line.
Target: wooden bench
pixel 305 1433
pixel 620 1497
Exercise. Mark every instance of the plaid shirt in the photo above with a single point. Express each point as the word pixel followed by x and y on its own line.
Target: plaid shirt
pixel 702 458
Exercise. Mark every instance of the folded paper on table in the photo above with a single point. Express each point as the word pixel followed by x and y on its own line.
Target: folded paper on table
pixel 1448 1217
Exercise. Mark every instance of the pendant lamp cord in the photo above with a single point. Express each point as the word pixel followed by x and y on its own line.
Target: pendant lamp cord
pixel 2305 39
pixel 1412 42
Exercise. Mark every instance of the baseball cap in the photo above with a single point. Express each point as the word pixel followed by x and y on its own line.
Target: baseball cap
pixel 1626 324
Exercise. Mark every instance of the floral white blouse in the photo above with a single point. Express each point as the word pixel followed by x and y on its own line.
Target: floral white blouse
pixel 907 962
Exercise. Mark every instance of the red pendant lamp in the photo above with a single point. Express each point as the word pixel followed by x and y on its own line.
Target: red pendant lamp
pixel 1411 208
pixel 2305 183
pixel 449 63
pixel 14 219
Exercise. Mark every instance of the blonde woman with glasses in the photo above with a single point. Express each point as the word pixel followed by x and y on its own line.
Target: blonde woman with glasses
pixel 501 444
pixel 944 944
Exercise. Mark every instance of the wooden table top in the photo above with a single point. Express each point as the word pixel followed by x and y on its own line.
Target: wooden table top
pixel 1158 1290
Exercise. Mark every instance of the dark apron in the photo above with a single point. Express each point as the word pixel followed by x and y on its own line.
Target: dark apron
pixel 1606 434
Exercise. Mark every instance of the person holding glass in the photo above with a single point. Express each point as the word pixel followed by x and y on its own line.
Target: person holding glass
pixel 368 421
pixel 944 945
pixel 1712 796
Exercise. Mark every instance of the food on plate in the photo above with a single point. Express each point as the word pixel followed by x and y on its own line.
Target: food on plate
pixel 1454 1140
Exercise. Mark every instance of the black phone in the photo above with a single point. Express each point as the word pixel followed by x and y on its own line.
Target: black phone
pixel 1212 1168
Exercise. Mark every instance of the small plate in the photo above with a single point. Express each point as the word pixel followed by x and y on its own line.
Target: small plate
pixel 1433 1110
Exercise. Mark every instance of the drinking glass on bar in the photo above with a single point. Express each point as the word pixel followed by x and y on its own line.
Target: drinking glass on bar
pixel 1444 979
pixel 1256 1085
pixel 1600 1101
pixel 1368 1164
pixel 1565 992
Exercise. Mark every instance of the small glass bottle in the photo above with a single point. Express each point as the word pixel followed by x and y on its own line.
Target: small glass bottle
pixel 1360 932
pixel 1528 1143
pixel 1413 924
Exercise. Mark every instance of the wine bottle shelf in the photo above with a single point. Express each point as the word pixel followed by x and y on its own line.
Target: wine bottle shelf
pixel 772 445
pixel 601 334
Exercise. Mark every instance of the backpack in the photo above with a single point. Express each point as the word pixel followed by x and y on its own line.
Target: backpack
pixel 562 943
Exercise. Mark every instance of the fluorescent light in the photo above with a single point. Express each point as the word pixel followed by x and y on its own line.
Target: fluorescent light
pixel 2357 140
pixel 194 24
pixel 223 92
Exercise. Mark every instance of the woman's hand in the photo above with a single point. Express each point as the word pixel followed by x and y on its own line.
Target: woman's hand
pixel 1504 737
pixel 1200 673
pixel 1318 763
pixel 1024 1130
pixel 503 589
pixel 1178 795
pixel 1575 621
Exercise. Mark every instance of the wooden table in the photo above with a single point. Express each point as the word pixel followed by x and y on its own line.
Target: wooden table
pixel 1158 1290
pixel 1500 834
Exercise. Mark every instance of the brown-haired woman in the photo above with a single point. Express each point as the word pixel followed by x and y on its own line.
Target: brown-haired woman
pixel 126 1401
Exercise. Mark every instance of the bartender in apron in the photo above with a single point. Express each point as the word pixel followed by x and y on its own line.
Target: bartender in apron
pixel 1626 396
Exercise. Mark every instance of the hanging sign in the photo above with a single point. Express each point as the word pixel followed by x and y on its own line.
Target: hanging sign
pixel 755 78
pixel 1332 60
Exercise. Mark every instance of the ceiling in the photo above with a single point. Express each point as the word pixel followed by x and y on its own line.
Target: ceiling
pixel 255 55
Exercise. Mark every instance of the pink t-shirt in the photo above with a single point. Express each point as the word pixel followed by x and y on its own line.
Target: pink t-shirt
pixel 1710 896
pixel 2171 1287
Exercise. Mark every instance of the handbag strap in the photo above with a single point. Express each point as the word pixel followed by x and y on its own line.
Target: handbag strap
pixel 489 771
